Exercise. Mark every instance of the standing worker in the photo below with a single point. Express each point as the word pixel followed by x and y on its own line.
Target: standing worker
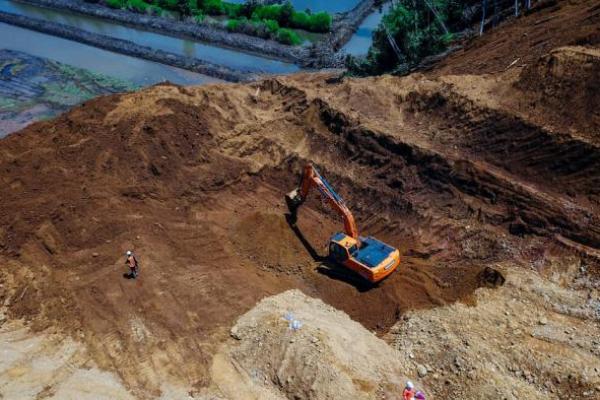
pixel 133 264
pixel 409 391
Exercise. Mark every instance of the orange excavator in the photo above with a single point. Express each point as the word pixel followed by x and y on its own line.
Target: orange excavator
pixel 370 258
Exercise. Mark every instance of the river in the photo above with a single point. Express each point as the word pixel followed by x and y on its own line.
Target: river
pixel 363 37
pixel 142 72
pixel 137 71
pixel 217 55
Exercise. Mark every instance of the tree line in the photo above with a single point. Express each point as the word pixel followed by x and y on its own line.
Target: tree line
pixel 415 29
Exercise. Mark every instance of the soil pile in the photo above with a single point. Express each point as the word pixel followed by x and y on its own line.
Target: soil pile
pixel 303 363
pixel 268 240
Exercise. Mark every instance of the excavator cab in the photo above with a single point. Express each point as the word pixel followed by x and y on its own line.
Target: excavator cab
pixel 367 256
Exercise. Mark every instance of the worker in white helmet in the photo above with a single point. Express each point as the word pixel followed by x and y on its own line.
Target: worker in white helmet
pixel 409 391
pixel 132 262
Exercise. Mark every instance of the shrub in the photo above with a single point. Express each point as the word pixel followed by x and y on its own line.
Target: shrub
pixel 168 4
pixel 213 7
pixel 199 17
pixel 155 10
pixel 267 12
pixel 285 14
pixel 320 22
pixel 232 10
pixel 233 25
pixel 260 29
pixel 137 5
pixel 300 20
pixel 271 25
pixel 115 3
pixel 248 7
pixel 192 6
pixel 288 36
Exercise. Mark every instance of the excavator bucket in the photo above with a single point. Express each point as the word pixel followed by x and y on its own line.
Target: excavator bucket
pixel 293 201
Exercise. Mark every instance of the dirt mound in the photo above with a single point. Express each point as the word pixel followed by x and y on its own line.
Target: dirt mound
pixel 303 363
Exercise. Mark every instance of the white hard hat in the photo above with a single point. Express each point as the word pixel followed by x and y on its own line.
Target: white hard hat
pixel 410 385
pixel 128 252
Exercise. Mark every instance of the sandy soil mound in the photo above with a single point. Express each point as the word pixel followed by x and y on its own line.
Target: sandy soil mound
pixel 51 366
pixel 328 347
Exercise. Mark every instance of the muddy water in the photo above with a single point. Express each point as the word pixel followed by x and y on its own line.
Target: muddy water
pixel 217 55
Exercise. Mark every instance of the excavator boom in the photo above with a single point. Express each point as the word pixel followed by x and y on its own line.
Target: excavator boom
pixel 312 178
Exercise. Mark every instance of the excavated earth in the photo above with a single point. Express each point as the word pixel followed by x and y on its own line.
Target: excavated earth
pixel 461 172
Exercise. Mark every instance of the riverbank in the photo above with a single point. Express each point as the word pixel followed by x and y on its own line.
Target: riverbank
pixel 317 55
pixel 344 28
pixel 126 47
pixel 34 88
pixel 204 33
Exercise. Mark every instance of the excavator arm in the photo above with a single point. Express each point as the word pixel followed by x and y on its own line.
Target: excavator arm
pixel 312 178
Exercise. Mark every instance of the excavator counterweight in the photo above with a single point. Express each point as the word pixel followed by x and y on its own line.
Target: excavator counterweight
pixel 369 257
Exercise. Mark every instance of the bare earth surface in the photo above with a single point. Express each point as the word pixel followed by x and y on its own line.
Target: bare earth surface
pixel 462 172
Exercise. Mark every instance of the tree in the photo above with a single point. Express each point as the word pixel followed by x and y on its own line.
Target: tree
pixel 285 16
pixel 412 30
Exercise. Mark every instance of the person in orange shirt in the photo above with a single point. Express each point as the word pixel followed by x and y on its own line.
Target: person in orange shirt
pixel 132 263
pixel 409 391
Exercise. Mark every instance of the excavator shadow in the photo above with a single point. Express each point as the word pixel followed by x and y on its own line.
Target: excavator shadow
pixel 334 271
pixel 328 267
pixel 307 245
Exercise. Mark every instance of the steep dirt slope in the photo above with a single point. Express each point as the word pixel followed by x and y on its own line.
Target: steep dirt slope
pixel 522 40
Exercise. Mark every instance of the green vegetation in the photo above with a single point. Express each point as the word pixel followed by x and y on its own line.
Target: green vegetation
pixel 266 29
pixel 408 33
pixel 266 21
pixel 116 3
pixel 288 36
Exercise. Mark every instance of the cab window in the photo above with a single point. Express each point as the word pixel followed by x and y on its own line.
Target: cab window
pixel 338 252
